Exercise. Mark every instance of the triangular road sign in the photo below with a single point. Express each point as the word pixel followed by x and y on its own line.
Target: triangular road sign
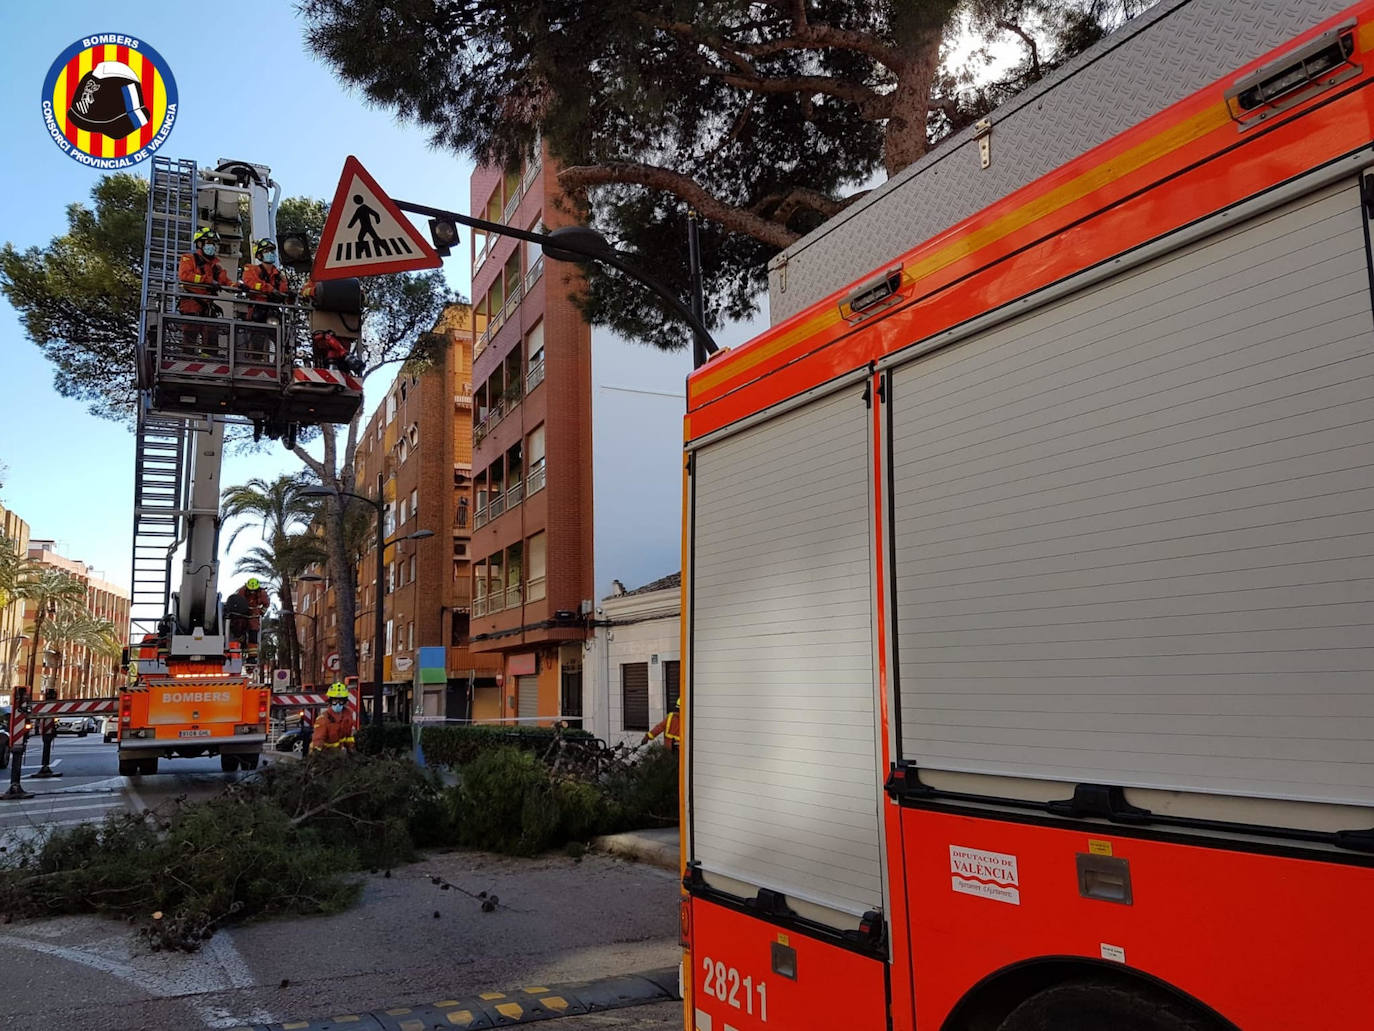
pixel 366 234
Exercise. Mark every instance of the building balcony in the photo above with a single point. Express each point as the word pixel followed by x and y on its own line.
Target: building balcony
pixel 512 596
pixel 496 505
pixel 534 483
pixel 535 271
pixel 480 519
pixel 535 376
pixel 515 494
pixel 481 605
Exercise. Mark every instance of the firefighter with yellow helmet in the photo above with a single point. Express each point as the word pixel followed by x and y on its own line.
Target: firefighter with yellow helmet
pixel 670 727
pixel 335 726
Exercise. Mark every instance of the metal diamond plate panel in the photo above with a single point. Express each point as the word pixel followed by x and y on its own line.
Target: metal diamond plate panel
pixel 1169 52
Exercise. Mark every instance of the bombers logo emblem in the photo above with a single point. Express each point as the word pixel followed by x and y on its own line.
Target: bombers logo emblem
pixel 109 101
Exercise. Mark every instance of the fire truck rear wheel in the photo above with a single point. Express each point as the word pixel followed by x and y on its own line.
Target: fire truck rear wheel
pixel 1099 1006
pixel 128 767
pixel 248 762
pixel 147 767
pixel 228 763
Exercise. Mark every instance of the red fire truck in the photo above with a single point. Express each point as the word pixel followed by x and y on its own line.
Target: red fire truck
pixel 1029 569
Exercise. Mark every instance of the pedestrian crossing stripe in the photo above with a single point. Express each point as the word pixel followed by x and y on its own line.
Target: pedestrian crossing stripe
pixel 366 234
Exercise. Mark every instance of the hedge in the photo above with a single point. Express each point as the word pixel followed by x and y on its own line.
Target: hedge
pixel 456 744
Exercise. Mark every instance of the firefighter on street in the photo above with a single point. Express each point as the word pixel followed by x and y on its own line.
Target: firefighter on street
pixel 670 727
pixel 334 727
pixel 200 273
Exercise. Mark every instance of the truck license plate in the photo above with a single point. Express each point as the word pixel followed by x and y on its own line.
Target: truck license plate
pixel 195 733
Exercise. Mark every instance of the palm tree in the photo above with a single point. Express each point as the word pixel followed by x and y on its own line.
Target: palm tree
pixel 275 506
pixel 52 591
pixel 71 627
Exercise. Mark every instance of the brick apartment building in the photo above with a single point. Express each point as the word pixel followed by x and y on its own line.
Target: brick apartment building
pixel 532 454
pixel 12 653
pixel 417 446
pixel 74 670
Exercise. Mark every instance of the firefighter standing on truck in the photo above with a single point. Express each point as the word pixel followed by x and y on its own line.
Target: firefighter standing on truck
pixel 246 607
pixel 670 727
pixel 334 726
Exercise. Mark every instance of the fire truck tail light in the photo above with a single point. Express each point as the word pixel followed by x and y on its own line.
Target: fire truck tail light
pixel 684 923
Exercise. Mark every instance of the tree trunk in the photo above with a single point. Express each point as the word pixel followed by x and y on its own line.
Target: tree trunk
pixel 291 650
pixel 35 686
pixel 344 575
pixel 906 139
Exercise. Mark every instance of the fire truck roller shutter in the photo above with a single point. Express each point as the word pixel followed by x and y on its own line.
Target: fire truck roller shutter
pixel 1132 536
pixel 784 779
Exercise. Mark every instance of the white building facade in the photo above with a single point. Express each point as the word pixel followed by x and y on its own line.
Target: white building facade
pixel 632 672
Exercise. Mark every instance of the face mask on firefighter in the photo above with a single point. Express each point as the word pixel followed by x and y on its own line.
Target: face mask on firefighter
pixel 268 258
pixel 208 250
pixel 337 706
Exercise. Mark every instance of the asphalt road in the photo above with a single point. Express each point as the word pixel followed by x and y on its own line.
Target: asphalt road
pixel 90 785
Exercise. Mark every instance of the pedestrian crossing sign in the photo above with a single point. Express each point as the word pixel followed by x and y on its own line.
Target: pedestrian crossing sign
pixel 366 234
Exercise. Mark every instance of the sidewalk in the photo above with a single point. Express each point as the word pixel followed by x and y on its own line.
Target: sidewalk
pixel 657 846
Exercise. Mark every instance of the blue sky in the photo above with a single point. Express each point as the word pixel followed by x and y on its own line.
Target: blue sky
pixel 255 93
pixel 247 89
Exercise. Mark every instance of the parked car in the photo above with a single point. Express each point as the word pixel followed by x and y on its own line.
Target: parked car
pixel 109 729
pixel 293 739
pixel 78 725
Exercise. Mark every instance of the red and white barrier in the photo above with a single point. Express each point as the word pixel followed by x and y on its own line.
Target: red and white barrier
pixel 325 378
pixel 75 707
pixel 298 701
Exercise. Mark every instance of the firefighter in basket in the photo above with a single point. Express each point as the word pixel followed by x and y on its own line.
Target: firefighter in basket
pixel 201 274
pixel 263 280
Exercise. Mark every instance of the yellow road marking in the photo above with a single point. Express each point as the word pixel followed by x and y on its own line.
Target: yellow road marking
pixel 533 990
pixel 347 1018
pixel 444 1003
pixel 512 1010
pixel 294 1026
pixel 460 1017
pixel 492 995
pixel 412 1025
pixel 555 1002
pixel 397 1013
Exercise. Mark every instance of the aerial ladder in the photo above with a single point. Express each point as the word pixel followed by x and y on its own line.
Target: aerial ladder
pixel 245 362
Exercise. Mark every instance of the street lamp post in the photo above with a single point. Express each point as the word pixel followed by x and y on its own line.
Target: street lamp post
pixel 576 244
pixel 379 617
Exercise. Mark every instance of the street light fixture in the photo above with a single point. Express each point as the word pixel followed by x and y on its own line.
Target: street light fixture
pixel 569 243
pixel 379 621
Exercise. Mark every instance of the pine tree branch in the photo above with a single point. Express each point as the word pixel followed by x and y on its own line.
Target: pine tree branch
pixel 732 217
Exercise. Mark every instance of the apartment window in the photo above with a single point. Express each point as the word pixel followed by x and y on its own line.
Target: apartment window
pixel 390 408
pixel 389 628
pixel 410 635
pixel 400 520
pixel 671 684
pixel 403 390
pixel 535 450
pixel 634 695
pixel 414 435
pixel 534 345
pixel 412 568
pixel 390 578
pixel 401 449
pixel 460 518
pixel 415 503
pixel 539 557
